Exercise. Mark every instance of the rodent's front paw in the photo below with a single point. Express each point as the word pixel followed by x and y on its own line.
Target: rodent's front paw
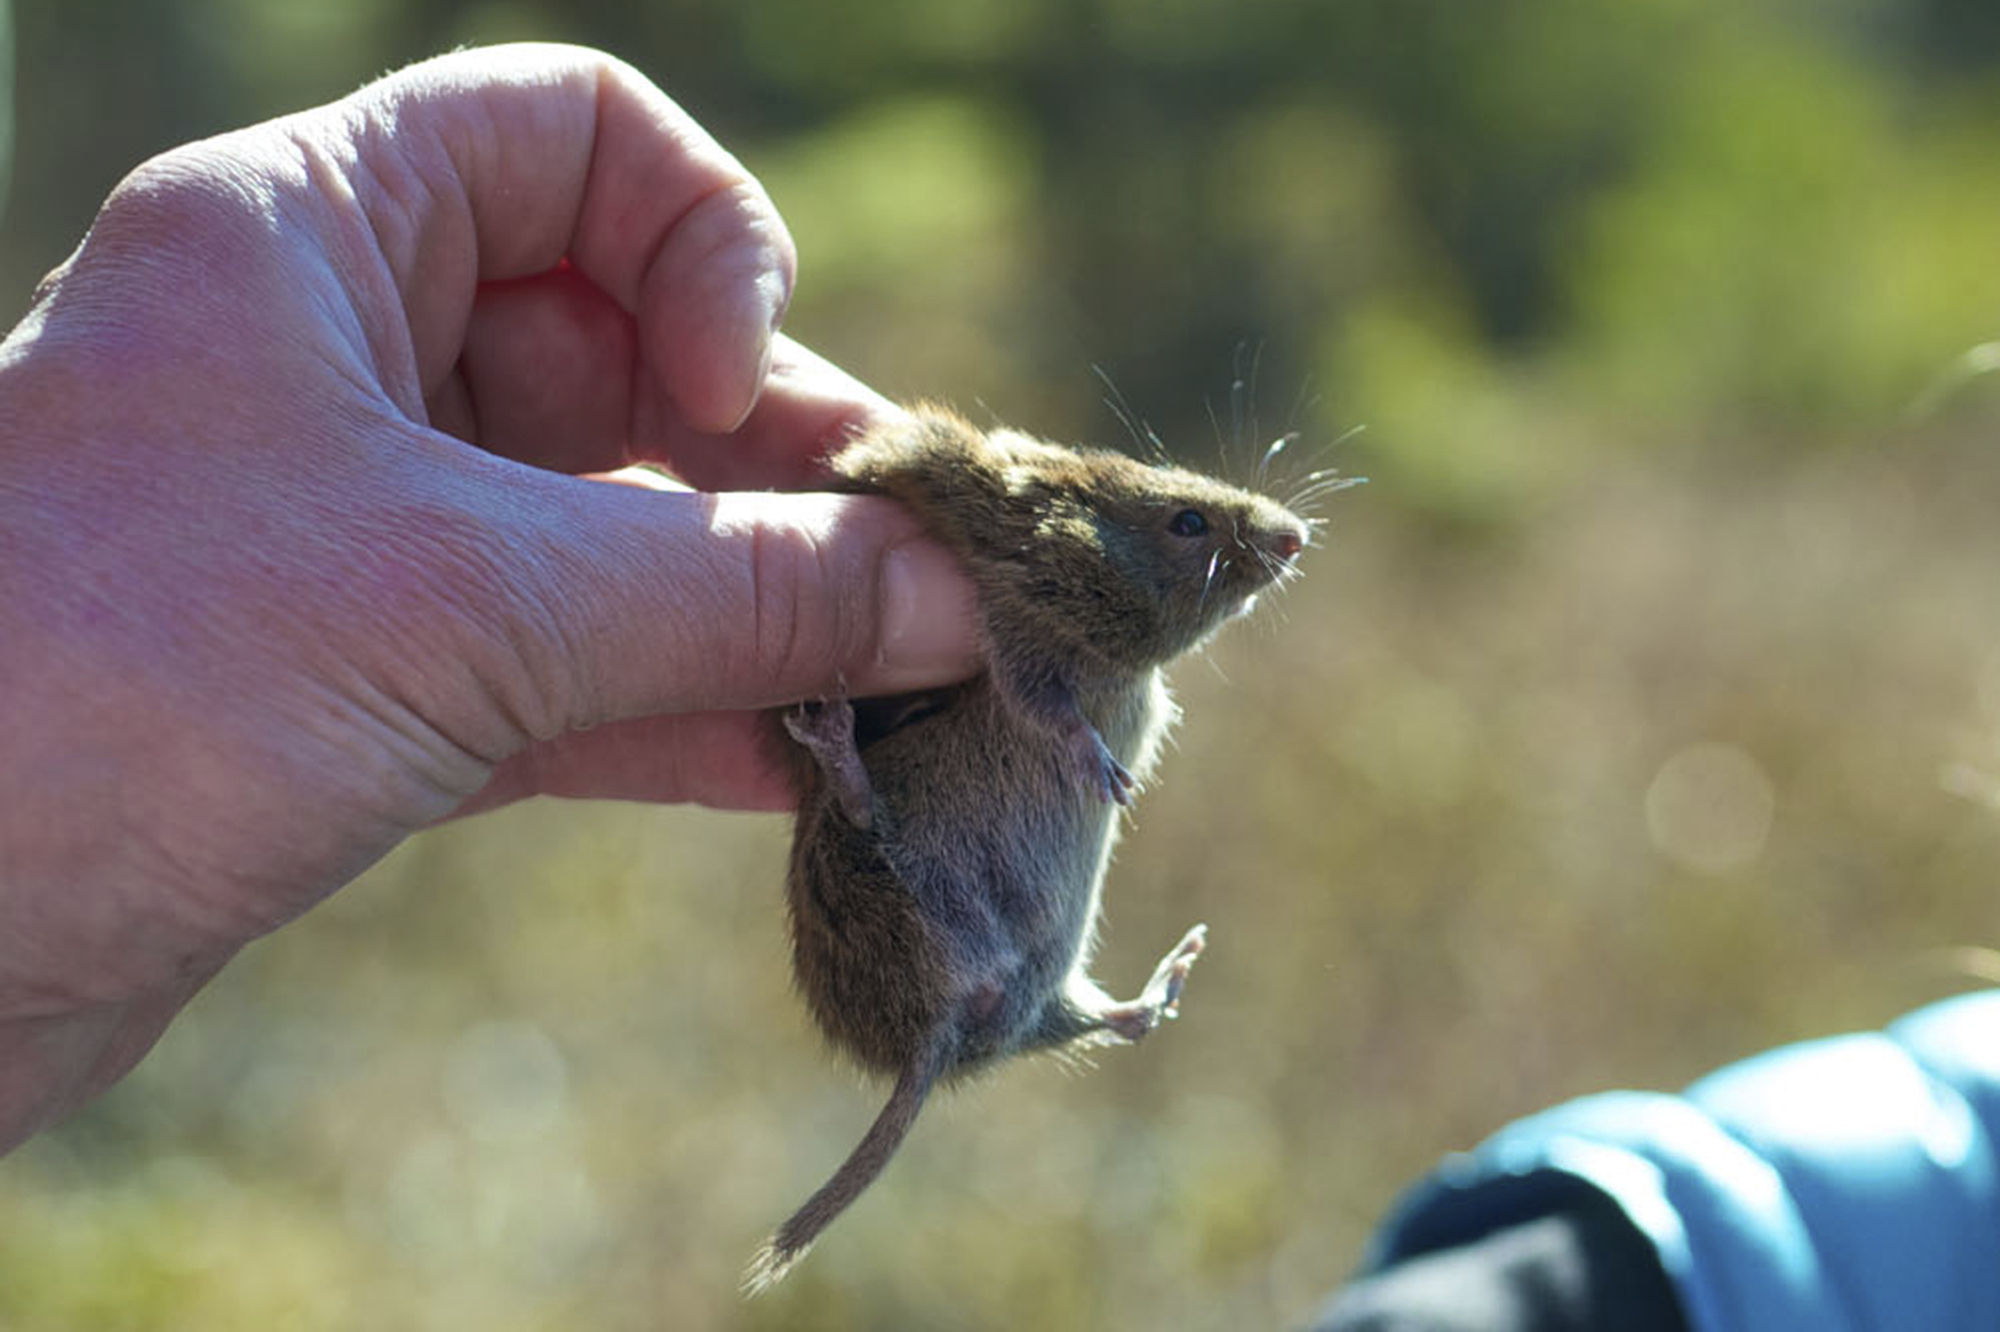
pixel 1100 769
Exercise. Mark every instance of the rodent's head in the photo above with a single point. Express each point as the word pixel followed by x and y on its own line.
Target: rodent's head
pixel 1187 551
pixel 1103 555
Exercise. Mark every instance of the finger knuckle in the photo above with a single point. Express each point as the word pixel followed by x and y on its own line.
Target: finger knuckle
pixel 807 624
pixel 190 203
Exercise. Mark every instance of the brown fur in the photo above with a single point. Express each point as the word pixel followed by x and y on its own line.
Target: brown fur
pixel 950 847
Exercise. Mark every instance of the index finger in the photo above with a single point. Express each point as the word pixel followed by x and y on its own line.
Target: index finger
pixel 809 409
pixel 502 162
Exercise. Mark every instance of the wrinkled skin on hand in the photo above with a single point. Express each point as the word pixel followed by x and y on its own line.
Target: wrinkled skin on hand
pixel 305 541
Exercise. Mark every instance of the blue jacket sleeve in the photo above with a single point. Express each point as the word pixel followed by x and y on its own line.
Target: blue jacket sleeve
pixel 1844 1185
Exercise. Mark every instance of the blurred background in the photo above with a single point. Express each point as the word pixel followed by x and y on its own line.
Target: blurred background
pixel 1639 714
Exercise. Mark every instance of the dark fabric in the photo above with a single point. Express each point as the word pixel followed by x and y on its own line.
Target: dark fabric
pixel 1581 1269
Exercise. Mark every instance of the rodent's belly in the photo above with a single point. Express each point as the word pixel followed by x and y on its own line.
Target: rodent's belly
pixel 996 835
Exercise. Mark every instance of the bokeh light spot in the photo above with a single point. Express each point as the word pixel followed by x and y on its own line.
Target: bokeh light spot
pixel 1709 808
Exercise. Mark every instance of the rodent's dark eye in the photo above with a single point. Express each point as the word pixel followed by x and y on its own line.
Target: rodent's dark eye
pixel 1188 523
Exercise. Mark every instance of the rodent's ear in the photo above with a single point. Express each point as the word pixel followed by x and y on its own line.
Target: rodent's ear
pixel 1049 503
pixel 1027 467
pixel 1024 481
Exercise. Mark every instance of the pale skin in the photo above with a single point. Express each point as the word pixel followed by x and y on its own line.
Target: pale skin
pixel 276 589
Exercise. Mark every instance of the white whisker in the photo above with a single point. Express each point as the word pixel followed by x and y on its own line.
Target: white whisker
pixel 1208 581
pixel 1278 446
pixel 1143 436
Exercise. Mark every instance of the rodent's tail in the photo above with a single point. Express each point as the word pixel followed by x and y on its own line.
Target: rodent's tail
pixel 782 1252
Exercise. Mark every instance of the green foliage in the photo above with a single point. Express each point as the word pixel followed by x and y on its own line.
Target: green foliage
pixel 925 184
pixel 1804 247
pixel 1602 743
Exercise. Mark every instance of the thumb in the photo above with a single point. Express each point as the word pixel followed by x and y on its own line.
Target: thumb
pixel 682 601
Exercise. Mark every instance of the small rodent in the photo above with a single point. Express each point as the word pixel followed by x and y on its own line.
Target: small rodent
pixel 950 845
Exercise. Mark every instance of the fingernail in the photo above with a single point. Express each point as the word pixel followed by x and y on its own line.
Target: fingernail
pixel 765 312
pixel 778 285
pixel 929 633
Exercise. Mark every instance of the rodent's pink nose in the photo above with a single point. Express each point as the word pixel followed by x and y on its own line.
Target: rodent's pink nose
pixel 1288 544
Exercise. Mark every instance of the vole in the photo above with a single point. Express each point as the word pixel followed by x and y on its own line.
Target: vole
pixel 950 846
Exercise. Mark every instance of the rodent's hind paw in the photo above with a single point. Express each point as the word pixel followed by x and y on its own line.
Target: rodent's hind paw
pixel 1162 996
pixel 1172 973
pixel 826 729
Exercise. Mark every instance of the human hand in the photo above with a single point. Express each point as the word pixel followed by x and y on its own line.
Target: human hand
pixel 297 549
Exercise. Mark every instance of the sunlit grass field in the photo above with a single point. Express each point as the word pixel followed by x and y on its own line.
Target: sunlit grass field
pixel 1683 760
